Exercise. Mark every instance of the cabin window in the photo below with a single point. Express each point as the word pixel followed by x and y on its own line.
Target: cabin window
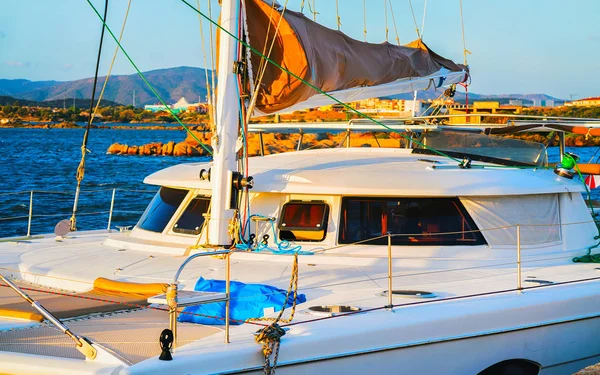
pixel 304 221
pixel 538 215
pixel 161 209
pixel 192 219
pixel 413 221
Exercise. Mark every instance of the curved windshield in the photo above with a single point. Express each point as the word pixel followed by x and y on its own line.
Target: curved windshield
pixel 161 209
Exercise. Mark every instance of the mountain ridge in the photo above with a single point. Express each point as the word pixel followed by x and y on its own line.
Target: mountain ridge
pixel 173 83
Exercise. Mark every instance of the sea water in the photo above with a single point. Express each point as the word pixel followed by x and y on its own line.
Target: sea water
pixel 46 160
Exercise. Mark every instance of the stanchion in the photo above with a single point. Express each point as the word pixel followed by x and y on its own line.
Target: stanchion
pixel 519 286
pixel 30 214
pixel 390 294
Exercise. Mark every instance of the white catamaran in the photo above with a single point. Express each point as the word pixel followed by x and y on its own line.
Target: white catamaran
pixel 452 255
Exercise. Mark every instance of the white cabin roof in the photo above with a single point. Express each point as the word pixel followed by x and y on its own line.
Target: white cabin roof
pixel 376 172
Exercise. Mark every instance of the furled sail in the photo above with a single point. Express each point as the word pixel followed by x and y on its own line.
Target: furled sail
pixel 344 67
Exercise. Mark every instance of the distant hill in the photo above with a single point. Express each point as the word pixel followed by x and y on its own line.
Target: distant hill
pixel 16 87
pixel 461 98
pixel 174 83
pixel 171 84
pixel 79 103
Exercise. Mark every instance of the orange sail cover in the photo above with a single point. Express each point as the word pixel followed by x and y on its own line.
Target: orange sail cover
pixel 326 58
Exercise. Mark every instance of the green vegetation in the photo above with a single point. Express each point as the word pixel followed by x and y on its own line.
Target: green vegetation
pixel 580 112
pixel 127 114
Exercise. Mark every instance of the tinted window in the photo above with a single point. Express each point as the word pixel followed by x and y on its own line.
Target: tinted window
pixel 161 209
pixel 192 219
pixel 414 221
pixel 304 221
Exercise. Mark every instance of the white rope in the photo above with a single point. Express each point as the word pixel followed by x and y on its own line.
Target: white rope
pixel 213 58
pixel 112 63
pixel 211 113
pixel 414 19
pixel 462 24
pixel 365 18
pixel 387 30
pixel 263 67
pixel 423 19
pixel 394 22
pixel 337 14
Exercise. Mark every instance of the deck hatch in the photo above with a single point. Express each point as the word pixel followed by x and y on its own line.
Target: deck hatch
pixel 409 293
pixel 330 310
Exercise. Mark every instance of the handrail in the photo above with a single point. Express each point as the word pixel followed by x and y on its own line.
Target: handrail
pixel 194 256
pixel 171 294
pixel 31 215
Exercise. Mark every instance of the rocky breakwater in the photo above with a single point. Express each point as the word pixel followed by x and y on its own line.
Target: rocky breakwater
pixel 273 144
pixel 189 147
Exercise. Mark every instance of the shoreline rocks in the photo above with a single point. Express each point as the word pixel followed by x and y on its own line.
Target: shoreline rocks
pixel 189 147
pixel 273 144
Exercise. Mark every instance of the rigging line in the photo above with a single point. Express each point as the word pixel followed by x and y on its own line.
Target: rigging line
pixel 365 18
pixel 81 166
pixel 313 10
pixel 112 63
pixel 208 88
pixel 387 30
pixel 462 25
pixel 423 19
pixel 319 90
pixel 337 13
pixel 263 67
pixel 187 129
pixel 394 22
pixel 414 19
pixel 262 62
pixel 212 66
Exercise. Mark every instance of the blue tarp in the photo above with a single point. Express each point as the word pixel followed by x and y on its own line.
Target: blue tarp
pixel 247 301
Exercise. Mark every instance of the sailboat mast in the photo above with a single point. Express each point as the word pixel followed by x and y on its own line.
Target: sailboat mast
pixel 227 122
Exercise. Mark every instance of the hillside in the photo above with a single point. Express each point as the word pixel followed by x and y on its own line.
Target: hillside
pixel 461 98
pixel 171 84
pixel 69 102
pixel 174 83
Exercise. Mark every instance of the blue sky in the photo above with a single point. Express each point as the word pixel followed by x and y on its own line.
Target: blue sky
pixel 518 46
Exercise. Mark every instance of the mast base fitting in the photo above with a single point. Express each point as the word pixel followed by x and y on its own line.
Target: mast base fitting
pixel 238 181
pixel 204 174
pixel 564 172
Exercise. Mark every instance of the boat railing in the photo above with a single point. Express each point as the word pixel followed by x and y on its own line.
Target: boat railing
pixel 174 299
pixel 110 210
pixel 518 262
